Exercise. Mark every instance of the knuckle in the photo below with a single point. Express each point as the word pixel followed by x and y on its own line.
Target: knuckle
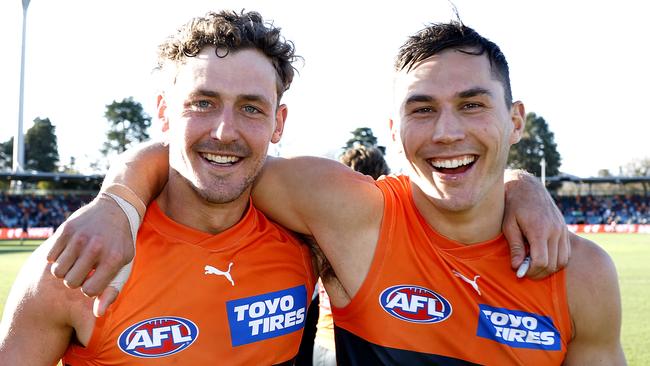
pixel 70 283
pixel 90 289
pixel 57 271
pixel 539 264
pixel 94 247
pixel 115 259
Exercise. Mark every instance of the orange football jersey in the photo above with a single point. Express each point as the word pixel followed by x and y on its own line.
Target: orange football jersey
pixel 429 300
pixel 236 298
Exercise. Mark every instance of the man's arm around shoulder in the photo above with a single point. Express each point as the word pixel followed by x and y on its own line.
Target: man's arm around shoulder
pixel 595 306
pixel 37 323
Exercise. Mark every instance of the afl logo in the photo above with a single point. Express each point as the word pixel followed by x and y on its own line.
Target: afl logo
pixel 415 304
pixel 158 337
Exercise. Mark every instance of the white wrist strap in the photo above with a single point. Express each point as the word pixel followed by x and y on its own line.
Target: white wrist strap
pixel 134 224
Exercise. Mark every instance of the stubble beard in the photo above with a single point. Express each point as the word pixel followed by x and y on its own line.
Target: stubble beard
pixel 223 190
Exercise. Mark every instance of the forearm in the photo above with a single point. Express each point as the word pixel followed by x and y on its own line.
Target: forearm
pixel 139 174
pixel 300 192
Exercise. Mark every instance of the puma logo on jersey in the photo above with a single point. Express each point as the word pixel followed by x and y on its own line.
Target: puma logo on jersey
pixel 215 271
pixel 471 282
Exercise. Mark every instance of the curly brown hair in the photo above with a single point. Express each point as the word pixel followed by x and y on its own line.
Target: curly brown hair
pixel 366 160
pixel 230 31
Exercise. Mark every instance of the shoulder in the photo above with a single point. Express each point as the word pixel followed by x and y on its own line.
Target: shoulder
pixel 594 303
pixel 591 271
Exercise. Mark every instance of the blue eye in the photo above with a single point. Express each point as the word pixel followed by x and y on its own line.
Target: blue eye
pixel 250 109
pixel 202 104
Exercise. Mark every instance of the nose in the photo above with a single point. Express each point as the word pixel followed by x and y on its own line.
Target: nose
pixel 447 128
pixel 225 128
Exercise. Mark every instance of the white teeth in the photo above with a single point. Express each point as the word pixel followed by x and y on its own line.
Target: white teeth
pixel 453 163
pixel 221 159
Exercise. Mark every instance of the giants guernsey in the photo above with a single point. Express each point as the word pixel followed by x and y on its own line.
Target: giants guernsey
pixel 236 298
pixel 428 300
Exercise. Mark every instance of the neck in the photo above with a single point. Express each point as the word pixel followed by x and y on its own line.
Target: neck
pixel 476 224
pixel 183 204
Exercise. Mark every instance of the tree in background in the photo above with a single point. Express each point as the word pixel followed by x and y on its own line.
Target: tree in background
pixel 638 168
pixel 41 149
pixel 537 142
pixel 6 154
pixel 128 124
pixel 604 173
pixel 363 136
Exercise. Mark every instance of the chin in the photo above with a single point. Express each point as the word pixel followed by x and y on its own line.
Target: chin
pixel 455 202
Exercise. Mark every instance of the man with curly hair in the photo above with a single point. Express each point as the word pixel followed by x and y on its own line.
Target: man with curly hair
pixel 215 282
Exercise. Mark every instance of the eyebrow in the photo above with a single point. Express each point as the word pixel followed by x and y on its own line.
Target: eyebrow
pixel 474 92
pixel 419 98
pixel 423 98
pixel 204 93
pixel 255 98
pixel 248 97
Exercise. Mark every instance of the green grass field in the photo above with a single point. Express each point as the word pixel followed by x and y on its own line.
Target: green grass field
pixel 631 253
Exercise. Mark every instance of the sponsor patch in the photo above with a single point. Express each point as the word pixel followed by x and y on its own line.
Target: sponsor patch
pixel 158 337
pixel 518 329
pixel 415 304
pixel 271 315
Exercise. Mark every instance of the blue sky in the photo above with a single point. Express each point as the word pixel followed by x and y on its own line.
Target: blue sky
pixel 581 65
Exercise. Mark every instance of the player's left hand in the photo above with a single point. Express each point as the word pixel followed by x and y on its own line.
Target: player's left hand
pixel 534 226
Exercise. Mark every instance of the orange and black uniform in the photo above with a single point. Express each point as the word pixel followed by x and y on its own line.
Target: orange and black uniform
pixel 236 298
pixel 428 300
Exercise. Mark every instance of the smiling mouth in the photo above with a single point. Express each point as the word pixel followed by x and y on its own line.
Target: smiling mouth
pixel 455 165
pixel 223 160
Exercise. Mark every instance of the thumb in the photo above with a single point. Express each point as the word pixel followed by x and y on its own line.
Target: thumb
pixel 109 295
pixel 103 301
pixel 517 245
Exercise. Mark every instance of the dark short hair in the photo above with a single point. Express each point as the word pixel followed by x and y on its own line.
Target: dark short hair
pixel 439 37
pixel 366 160
pixel 230 31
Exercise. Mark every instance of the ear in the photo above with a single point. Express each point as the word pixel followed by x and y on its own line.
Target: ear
pixel 280 118
pixel 518 118
pixel 161 105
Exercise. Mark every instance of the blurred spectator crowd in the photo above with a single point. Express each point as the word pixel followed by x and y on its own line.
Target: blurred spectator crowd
pixel 30 210
pixel 594 210
pixel 51 210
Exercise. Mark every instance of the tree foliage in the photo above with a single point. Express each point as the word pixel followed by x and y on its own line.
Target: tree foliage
pixel 638 168
pixel 361 136
pixel 537 142
pixel 41 149
pixel 6 154
pixel 128 124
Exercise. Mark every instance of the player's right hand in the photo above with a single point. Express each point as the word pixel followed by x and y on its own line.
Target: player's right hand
pixel 90 248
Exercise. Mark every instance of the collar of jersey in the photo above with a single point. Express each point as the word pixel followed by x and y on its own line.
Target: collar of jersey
pixel 158 221
pixel 450 246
